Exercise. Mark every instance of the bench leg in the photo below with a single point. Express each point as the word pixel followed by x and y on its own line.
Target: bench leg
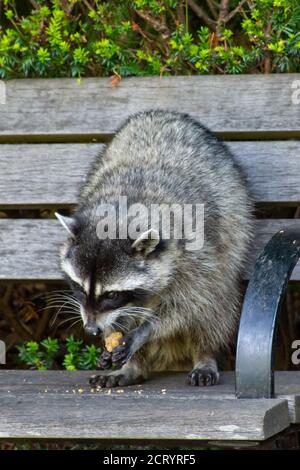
pixel 266 289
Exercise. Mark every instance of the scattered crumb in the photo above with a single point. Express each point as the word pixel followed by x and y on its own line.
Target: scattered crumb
pixel 80 390
pixel 74 391
pixel 120 391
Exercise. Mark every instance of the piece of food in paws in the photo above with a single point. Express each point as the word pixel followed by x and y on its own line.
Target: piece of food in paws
pixel 113 340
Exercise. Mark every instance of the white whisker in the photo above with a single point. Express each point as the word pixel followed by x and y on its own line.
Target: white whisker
pixel 67 320
pixel 74 323
pixel 56 315
pixel 118 325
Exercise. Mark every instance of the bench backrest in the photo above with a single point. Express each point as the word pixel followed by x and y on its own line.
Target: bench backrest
pixel 50 131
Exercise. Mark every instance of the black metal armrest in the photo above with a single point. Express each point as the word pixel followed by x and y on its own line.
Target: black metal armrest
pixel 266 289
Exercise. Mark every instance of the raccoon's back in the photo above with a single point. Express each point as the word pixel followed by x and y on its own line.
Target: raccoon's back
pixel 162 156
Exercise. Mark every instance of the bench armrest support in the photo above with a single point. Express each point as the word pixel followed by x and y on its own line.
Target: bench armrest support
pixel 259 318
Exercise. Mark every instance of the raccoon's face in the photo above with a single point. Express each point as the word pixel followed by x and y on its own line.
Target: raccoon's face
pixel 114 279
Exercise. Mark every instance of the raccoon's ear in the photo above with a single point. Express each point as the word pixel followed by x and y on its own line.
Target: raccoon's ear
pixel 69 223
pixel 147 242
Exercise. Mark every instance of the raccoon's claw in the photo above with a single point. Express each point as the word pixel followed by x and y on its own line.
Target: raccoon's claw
pixel 93 380
pixel 203 377
pixel 121 354
pixel 104 361
pixel 114 380
pixel 117 358
pixel 102 381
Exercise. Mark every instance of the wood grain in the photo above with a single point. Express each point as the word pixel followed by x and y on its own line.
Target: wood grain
pixel 50 109
pixel 29 247
pixel 35 410
pixel 43 174
pixel 38 174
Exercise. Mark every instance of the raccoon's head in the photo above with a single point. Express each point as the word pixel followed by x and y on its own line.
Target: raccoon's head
pixel 116 278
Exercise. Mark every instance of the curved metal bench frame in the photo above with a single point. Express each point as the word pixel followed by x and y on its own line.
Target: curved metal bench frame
pixel 260 313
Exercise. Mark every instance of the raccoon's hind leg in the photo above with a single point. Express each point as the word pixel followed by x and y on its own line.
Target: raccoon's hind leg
pixel 130 374
pixel 204 373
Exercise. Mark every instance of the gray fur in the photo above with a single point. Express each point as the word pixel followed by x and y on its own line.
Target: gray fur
pixel 166 157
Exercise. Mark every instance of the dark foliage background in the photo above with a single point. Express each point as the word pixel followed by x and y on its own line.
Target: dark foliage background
pixel 72 38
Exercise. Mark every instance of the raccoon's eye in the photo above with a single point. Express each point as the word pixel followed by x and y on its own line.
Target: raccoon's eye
pixel 112 295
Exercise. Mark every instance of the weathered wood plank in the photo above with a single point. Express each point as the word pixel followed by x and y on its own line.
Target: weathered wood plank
pixel 272 169
pixel 52 173
pixel 243 104
pixel 29 247
pixel 61 405
pixel 52 416
pixel 39 174
pixel 287 383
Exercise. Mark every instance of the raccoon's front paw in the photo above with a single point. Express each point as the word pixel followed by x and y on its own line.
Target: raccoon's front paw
pixel 104 361
pixel 122 353
pixel 115 380
pixel 203 377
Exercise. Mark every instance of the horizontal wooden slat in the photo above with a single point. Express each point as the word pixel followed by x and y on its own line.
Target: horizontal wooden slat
pixel 87 417
pixel 29 247
pixel 59 108
pixel 287 386
pixel 272 169
pixel 60 405
pixel 37 174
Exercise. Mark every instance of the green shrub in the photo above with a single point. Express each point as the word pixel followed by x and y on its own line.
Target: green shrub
pixel 71 38
pixel 42 356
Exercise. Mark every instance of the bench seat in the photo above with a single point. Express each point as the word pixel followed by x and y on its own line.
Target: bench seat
pixel 60 404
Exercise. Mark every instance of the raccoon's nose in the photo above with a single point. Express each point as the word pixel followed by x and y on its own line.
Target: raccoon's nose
pixel 91 328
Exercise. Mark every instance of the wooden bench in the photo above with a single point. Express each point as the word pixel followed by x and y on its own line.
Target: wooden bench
pixel 50 131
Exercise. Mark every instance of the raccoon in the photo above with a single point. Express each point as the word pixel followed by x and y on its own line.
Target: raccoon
pixel 177 307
